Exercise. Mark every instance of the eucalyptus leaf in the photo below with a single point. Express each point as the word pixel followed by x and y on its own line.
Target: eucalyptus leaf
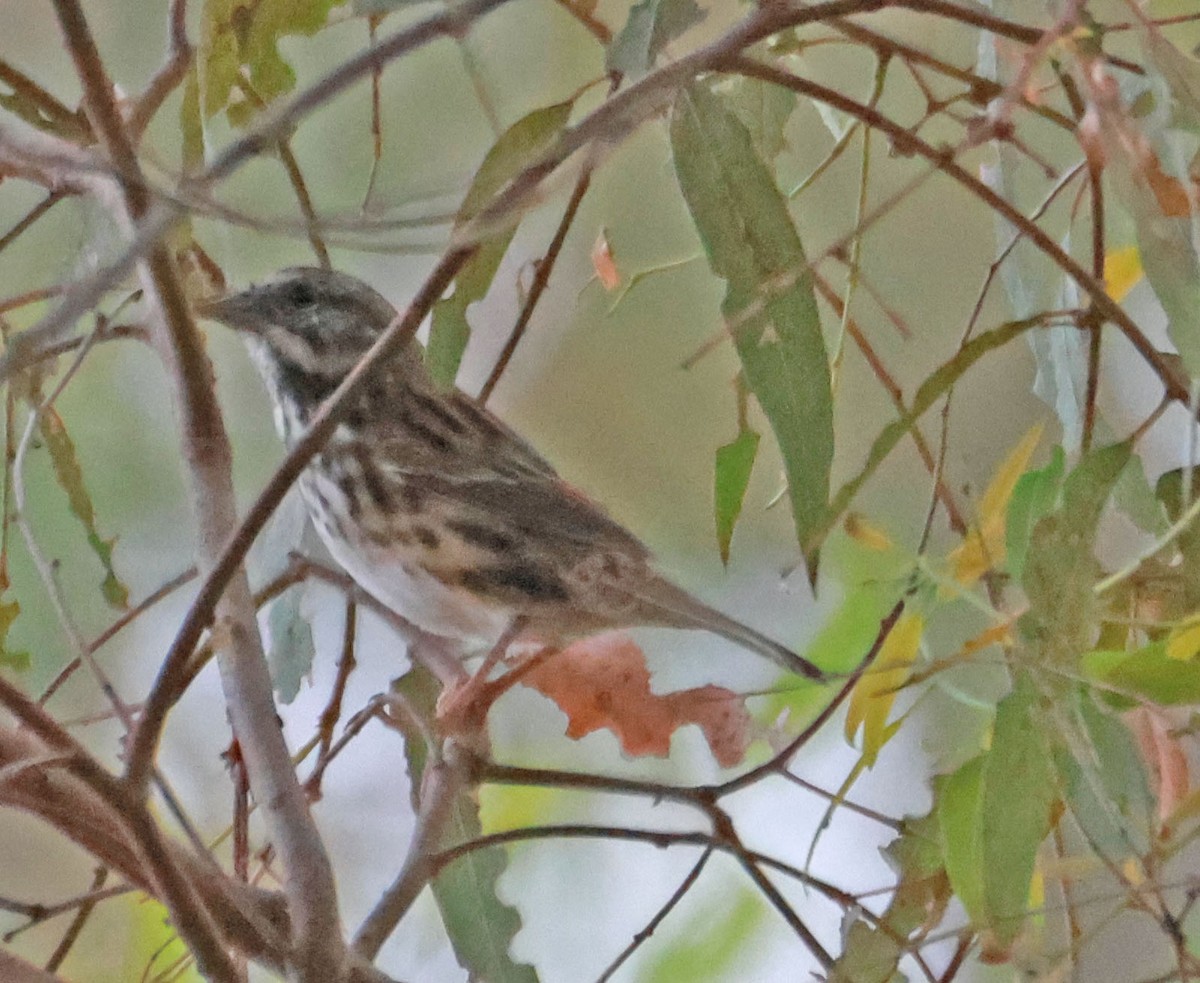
pixel 751 242
pixel 290 649
pixel 479 925
pixel 734 463
pixel 651 25
pixel 520 145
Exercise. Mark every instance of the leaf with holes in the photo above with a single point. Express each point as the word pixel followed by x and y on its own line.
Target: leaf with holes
pixel 1059 568
pixel 236 36
pixel 873 949
pixel 769 305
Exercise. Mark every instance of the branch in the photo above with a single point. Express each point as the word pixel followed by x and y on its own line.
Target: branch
pixel 541 280
pixel 14 969
pixel 319 948
pixel 442 782
pixel 1169 375
pixel 93 807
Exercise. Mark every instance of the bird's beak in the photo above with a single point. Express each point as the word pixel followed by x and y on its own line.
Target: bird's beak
pixel 234 310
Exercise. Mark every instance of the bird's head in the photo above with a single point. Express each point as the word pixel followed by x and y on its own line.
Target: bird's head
pixel 307 328
pixel 315 321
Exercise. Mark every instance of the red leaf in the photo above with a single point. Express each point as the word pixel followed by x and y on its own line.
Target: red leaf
pixel 602 681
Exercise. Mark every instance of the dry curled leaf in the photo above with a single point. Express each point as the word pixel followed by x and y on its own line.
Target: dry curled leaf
pixel 602 682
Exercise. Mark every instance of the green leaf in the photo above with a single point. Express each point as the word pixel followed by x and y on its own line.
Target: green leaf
pixel 712 944
pixel 1180 75
pixel 1034 496
pixel 1105 784
pixel 959 800
pixel 743 221
pixel 70 478
pixel 734 463
pixel 764 110
pixel 1015 803
pixel 235 35
pixel 1059 568
pixel 479 925
pixel 1134 496
pixel 994 812
pixel 520 145
pixel 1151 184
pixel 291 651
pixel 1148 673
pixel 1169 490
pixel 651 25
pixel 872 954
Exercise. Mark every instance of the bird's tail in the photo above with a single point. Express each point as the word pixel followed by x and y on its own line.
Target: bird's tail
pixel 666 604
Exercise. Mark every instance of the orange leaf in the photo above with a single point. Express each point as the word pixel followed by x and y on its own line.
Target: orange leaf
pixel 1173 196
pixel 602 682
pixel 604 263
pixel 867 533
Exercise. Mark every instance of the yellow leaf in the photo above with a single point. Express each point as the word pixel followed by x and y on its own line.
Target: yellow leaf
pixel 866 533
pixel 1122 271
pixel 503 807
pixel 873 696
pixel 1184 641
pixel 1000 634
pixel 983 547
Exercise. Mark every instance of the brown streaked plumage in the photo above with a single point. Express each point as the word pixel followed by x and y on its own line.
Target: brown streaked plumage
pixel 437 507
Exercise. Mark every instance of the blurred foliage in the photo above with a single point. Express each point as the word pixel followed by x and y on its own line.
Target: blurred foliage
pixel 837 327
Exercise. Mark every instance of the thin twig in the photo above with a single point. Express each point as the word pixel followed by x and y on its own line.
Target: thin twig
pixel 169 76
pixel 82 915
pixel 1169 375
pixel 29 218
pixel 42 563
pixel 541 280
pixel 668 906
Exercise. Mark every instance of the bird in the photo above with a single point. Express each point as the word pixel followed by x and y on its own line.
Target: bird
pixel 434 505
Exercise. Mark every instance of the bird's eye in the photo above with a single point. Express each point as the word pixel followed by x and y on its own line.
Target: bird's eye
pixel 301 294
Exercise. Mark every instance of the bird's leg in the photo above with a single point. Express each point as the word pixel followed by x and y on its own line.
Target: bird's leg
pixel 462 708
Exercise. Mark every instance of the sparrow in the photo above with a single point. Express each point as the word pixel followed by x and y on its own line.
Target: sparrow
pixel 435 506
